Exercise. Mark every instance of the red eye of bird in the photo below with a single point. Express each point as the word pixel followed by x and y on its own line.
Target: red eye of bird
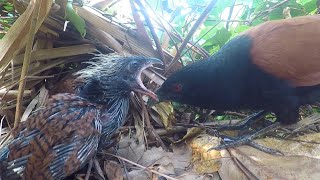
pixel 177 87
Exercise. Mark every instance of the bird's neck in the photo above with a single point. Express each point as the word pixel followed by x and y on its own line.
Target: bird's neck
pixel 115 102
pixel 113 116
pixel 117 111
pixel 102 94
pixel 222 78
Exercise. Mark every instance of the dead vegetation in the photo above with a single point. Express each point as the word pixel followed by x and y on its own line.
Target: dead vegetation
pixel 38 52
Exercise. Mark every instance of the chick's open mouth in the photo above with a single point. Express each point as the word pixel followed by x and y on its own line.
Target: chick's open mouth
pixel 141 87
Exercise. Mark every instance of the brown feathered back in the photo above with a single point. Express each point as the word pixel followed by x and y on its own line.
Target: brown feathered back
pixel 288 49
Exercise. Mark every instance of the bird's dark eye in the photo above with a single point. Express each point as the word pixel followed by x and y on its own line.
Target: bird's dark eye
pixel 133 67
pixel 176 87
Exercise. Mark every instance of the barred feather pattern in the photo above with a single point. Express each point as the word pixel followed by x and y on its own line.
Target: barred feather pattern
pixel 55 141
pixel 103 85
pixel 114 119
pixel 60 139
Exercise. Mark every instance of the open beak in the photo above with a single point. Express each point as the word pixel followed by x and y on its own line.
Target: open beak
pixel 140 87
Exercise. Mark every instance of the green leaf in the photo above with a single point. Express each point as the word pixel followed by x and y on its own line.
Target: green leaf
pixel 179 22
pixel 245 2
pixel 303 2
pixel 220 6
pixel 197 2
pixel 75 19
pixel 218 40
pixel 258 21
pixel 310 6
pixel 315 110
pixel 256 3
pixel 8 20
pixel 197 5
pixel 220 118
pixel 259 6
pixel 213 20
pixel 296 9
pixel 276 14
pixel 213 49
pixel 246 13
pixel 154 4
pixel 242 28
pixel 8 7
pixel 207 32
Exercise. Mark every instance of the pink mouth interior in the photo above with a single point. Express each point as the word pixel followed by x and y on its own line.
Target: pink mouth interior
pixel 143 89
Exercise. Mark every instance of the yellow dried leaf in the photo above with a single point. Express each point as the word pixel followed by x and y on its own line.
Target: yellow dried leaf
pixel 166 113
pixel 205 161
pixel 192 132
pixel 16 38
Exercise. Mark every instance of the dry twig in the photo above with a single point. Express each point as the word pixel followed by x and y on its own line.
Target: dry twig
pixel 191 32
pixel 153 33
pixel 142 167
pixel 267 11
pixel 150 128
pixel 26 61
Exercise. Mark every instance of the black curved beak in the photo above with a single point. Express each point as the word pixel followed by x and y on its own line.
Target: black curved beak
pixel 152 61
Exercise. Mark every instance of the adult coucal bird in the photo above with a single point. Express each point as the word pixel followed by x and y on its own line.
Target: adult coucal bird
pixel 273 67
pixel 61 138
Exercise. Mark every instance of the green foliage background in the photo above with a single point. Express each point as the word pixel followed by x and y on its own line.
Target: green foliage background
pixel 227 19
pixel 7 16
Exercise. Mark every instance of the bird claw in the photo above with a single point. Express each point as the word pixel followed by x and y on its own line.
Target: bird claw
pixel 247 140
pixel 245 123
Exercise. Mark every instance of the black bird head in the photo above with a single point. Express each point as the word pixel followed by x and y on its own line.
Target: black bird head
pixel 109 76
pixel 175 88
pixel 188 86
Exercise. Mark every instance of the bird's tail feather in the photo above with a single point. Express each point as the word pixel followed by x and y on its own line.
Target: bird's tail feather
pixel 4 171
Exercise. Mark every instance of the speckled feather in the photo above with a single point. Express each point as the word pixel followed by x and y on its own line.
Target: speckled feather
pixel 58 140
pixel 53 142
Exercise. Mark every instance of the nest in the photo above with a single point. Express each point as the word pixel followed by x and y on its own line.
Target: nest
pixel 40 50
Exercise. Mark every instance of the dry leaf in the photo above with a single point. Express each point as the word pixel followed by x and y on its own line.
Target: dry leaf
pixel 29 109
pixel 129 148
pixel 139 175
pixel 294 147
pixel 205 161
pixel 194 176
pixel 16 38
pixel 170 163
pixel 166 113
pixel 301 160
pixel 136 153
pixel 60 52
pixel 113 170
pixel 192 132
pixel 42 97
pixel 106 38
pixel 177 164
pixel 138 124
